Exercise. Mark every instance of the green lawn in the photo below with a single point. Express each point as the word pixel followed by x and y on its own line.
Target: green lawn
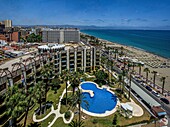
pixel 49 119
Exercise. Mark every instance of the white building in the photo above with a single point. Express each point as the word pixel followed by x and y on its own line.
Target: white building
pixel 61 35
pixel 75 57
pixel 2 43
pixel 8 23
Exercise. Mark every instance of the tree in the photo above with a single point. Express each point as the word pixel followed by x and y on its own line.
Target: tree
pixel 123 78
pixel 15 101
pixel 115 120
pixel 130 81
pixel 55 84
pixel 100 76
pixel 103 60
pixel 75 81
pixel 140 65
pixel 147 71
pixel 116 52
pixel 129 65
pixel 34 38
pixel 76 123
pixel 47 75
pixel 120 79
pixel 29 101
pixel 77 99
pixel 154 76
pixel 109 65
pixel 39 93
pixel 163 83
pixel 121 51
pixel 133 65
pixel 66 76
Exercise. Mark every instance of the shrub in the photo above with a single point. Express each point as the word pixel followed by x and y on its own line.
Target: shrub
pixel 95 121
pixel 115 120
pixel 67 115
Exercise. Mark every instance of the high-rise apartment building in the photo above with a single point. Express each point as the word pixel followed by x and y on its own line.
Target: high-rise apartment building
pixel 61 35
pixel 8 23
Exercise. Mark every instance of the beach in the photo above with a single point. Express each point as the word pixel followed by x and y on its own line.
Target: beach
pixel 152 61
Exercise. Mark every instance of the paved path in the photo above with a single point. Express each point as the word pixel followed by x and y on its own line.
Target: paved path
pixel 56 112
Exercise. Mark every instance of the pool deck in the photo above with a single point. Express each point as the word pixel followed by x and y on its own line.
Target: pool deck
pixel 107 113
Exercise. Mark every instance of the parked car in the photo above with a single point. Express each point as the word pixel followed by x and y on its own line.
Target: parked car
pixel 144 84
pixel 166 101
pixel 148 88
pixel 155 93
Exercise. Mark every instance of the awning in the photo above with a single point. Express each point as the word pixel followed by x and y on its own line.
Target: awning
pixel 126 106
pixel 161 113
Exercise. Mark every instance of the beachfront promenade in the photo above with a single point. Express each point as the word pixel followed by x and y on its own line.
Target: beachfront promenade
pixel 146 95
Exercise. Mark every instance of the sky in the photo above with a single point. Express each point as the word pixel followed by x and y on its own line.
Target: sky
pixel 131 13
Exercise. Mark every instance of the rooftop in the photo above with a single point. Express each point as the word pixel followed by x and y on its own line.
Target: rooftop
pixel 144 96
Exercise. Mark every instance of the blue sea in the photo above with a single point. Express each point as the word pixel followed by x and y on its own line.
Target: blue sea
pixel 154 41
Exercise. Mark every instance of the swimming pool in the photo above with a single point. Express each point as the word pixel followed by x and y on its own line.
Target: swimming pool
pixel 102 101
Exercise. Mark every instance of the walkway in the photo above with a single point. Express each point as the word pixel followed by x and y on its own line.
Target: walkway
pixel 56 112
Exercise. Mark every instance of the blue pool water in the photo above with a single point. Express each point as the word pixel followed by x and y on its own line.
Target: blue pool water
pixel 102 100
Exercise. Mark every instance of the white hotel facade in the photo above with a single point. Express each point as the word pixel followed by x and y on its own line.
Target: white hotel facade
pixel 60 35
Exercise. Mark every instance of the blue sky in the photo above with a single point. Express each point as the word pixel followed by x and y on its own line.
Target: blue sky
pixel 135 13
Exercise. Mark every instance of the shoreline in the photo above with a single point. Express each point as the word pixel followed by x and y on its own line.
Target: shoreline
pixel 117 43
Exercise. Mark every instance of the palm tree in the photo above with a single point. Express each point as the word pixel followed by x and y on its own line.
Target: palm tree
pixel 120 79
pixel 130 82
pixel 66 76
pixel 55 84
pixel 129 65
pixel 77 99
pixel 133 65
pixel 123 78
pixel 109 65
pixel 154 76
pixel 15 101
pixel 147 71
pixel 76 123
pixel 140 65
pixel 100 76
pixel 29 101
pixel 75 81
pixel 103 60
pixel 116 52
pixel 39 93
pixel 121 51
pixel 47 76
pixel 163 83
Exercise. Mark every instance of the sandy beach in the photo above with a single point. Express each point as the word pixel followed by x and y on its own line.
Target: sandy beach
pixel 152 61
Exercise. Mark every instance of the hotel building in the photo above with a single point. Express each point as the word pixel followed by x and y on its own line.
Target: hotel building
pixel 60 35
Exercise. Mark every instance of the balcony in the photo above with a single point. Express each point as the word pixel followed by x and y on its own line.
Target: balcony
pixel 79 54
pixel 64 56
pixel 64 61
pixel 71 55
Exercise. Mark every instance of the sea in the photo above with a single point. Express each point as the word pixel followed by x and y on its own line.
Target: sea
pixel 154 41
